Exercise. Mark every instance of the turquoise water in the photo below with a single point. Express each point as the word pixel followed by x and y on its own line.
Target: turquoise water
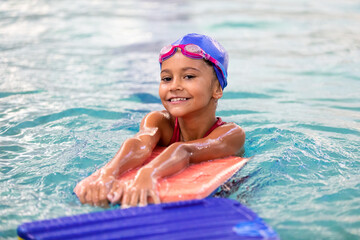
pixel 76 78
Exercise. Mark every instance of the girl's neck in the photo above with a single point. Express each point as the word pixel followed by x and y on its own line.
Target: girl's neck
pixel 195 127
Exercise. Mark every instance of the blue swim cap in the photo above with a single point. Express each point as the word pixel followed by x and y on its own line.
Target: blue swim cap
pixel 211 47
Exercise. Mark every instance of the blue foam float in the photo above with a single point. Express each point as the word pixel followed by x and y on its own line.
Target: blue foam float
pixel 210 218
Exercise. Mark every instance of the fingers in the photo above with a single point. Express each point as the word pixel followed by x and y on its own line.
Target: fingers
pixel 102 196
pixel 131 198
pixel 93 190
pixel 139 197
pixel 76 188
pixel 114 197
pixel 80 193
pixel 133 195
pixel 143 198
pixel 94 195
pixel 125 200
pixel 116 192
pixel 155 197
pixel 88 196
pixel 135 198
pixel 97 194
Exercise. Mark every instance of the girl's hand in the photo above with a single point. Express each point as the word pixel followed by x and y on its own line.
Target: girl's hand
pixel 93 190
pixel 144 186
pixel 116 192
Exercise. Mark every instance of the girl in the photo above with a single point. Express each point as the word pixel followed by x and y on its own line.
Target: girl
pixel 193 76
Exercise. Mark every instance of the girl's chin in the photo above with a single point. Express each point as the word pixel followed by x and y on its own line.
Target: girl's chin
pixel 181 114
pixel 176 112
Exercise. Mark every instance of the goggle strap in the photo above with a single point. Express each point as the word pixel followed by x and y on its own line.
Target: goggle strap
pixel 196 55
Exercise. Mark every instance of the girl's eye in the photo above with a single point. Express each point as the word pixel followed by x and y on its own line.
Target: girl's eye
pixel 189 76
pixel 166 79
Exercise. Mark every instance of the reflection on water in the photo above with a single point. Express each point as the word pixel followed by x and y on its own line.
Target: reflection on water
pixel 76 78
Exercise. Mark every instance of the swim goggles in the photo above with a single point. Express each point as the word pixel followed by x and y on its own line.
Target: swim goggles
pixel 191 51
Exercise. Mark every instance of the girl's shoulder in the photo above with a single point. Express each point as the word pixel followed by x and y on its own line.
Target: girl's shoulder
pixel 163 121
pixel 158 118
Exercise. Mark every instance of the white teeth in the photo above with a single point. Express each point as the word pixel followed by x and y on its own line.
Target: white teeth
pixel 177 99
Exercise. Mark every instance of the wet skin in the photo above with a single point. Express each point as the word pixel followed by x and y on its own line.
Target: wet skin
pixel 188 90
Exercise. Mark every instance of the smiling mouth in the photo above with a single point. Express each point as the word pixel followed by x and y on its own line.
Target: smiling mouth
pixel 178 99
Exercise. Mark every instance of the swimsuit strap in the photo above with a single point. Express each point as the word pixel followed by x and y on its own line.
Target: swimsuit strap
pixel 218 123
pixel 176 134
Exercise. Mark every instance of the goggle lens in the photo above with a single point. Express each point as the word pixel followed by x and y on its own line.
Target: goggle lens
pixel 193 48
pixel 192 51
pixel 165 50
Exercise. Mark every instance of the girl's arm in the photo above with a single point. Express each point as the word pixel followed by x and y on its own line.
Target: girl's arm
pixel 224 141
pixel 133 152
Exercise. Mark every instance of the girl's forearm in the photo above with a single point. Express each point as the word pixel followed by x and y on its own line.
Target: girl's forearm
pixel 132 154
pixel 175 158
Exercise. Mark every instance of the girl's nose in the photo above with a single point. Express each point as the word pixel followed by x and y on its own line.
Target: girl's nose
pixel 176 84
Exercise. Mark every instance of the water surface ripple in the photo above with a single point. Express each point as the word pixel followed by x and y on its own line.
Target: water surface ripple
pixel 76 78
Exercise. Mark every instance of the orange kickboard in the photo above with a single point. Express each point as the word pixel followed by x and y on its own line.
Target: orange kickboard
pixel 197 181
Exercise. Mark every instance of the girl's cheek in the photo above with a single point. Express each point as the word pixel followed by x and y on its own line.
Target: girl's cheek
pixel 162 91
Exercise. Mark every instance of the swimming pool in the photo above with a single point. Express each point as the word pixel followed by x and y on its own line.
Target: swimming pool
pixel 77 77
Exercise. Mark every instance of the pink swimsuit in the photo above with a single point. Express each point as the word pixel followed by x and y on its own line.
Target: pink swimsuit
pixel 176 134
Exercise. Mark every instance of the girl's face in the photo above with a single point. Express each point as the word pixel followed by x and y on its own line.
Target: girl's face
pixel 187 85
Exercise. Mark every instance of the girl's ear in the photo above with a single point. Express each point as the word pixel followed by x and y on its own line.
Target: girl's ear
pixel 218 91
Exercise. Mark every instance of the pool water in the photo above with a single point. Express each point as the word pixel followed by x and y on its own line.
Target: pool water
pixel 76 78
